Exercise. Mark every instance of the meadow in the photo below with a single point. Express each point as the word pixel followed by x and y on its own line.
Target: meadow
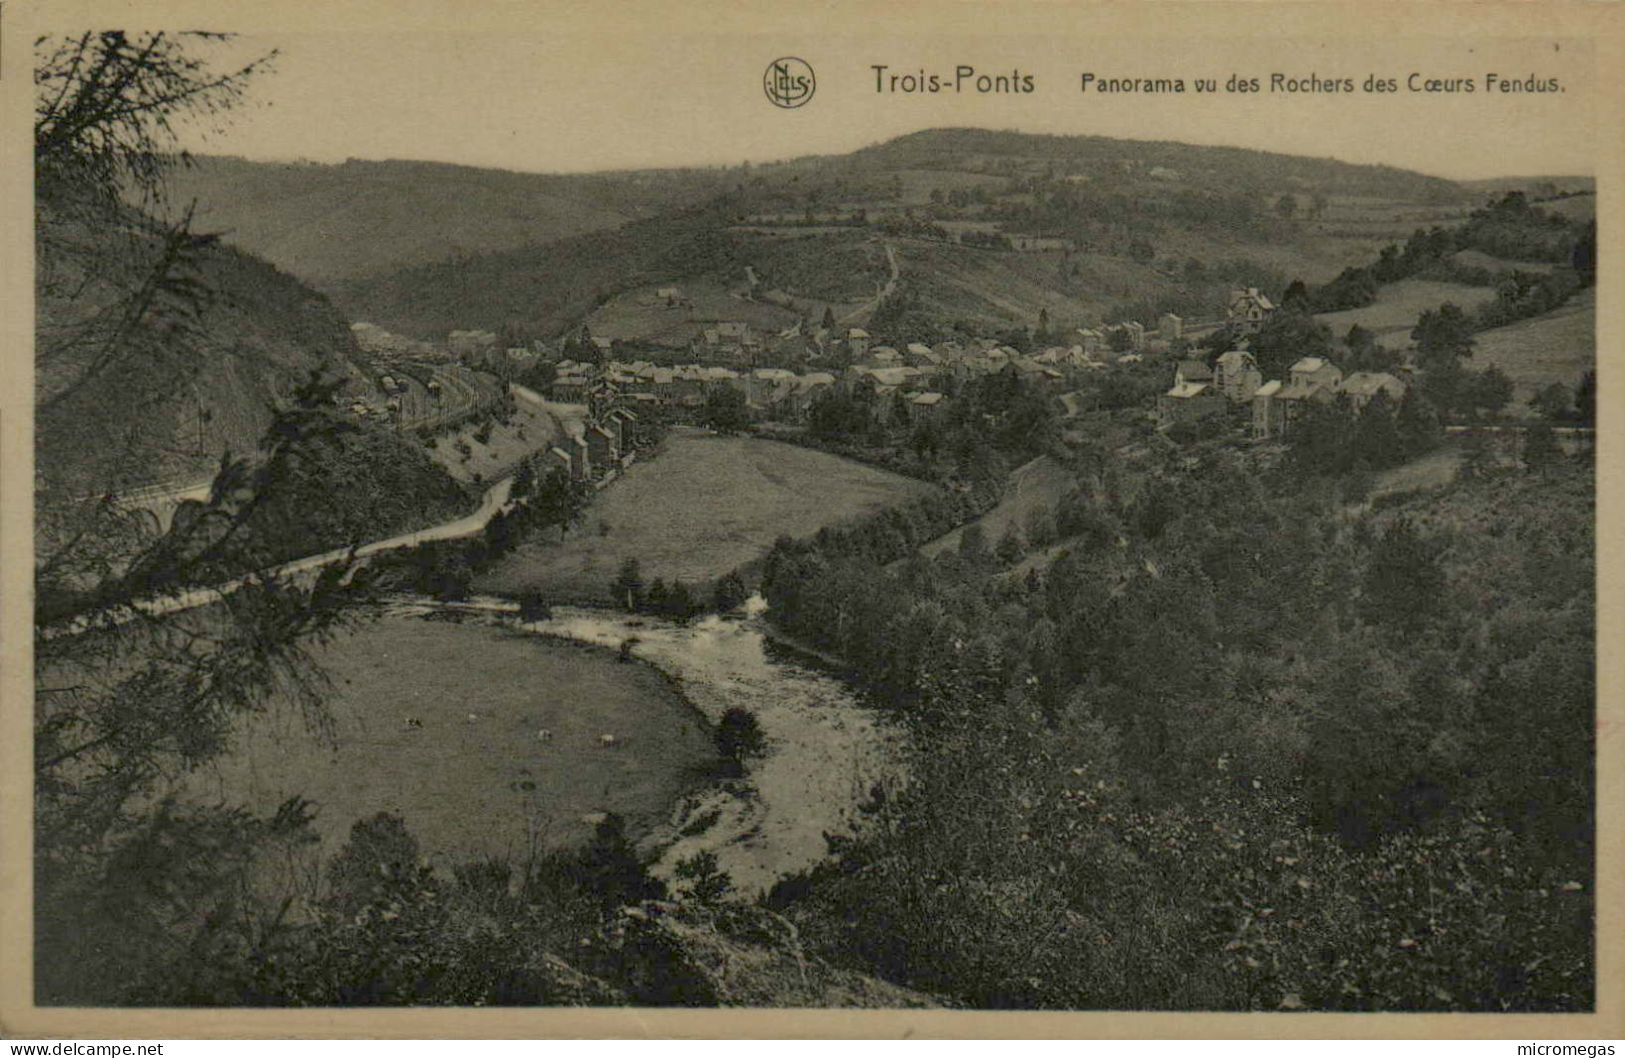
pixel 1557 347
pixel 1400 304
pixel 703 506
pixel 1036 486
pixel 474 779
pixel 639 315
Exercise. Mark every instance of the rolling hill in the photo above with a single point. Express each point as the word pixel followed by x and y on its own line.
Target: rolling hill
pixel 1096 157
pixel 162 403
pixel 333 222
pixel 1146 226
pixel 426 248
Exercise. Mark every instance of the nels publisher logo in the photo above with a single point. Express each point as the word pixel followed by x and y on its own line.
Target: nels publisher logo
pixel 789 82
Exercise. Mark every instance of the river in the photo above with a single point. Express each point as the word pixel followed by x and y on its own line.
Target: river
pixel 825 750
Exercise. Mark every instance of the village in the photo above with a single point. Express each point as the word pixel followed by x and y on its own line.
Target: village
pixel 779 378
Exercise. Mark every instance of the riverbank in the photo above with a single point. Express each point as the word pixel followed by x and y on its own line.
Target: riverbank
pixel 825 752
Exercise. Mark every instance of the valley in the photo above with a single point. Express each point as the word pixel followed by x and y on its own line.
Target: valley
pixel 980 569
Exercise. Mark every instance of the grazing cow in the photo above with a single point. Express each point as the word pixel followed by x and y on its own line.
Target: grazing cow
pixel 544 735
pixel 413 721
pixel 473 717
pixel 608 741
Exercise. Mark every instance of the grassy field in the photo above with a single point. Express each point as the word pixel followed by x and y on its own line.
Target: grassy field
pixel 1479 259
pixel 1430 471
pixel 1399 305
pixel 530 428
pixel 1034 486
pixel 702 507
pixel 1557 347
pixel 639 315
pixel 474 779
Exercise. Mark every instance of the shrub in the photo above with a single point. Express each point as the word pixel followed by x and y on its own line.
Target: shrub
pixel 703 880
pixel 739 737
pixel 533 607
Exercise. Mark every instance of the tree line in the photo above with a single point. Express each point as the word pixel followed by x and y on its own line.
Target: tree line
pixel 1509 228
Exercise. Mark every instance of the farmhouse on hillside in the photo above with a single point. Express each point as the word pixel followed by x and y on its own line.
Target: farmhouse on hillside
pixel 1192 397
pixel 1248 310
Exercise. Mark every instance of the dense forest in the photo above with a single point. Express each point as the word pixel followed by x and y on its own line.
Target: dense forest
pixel 1234 749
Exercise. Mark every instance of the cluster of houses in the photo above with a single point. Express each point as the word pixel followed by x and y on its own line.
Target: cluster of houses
pixel 912 380
pixel 606 442
pixel 771 393
pixel 1234 383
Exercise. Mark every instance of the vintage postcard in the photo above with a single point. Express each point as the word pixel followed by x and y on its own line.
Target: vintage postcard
pixel 1025 518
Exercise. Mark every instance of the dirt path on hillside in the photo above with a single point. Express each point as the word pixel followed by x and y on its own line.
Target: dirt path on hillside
pixel 885 291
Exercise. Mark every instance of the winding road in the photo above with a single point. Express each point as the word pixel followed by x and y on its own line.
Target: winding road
pixel 494 500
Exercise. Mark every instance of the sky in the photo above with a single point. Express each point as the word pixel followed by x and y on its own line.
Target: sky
pixel 641 89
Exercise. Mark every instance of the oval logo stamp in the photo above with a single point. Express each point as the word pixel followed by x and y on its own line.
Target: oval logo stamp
pixel 789 82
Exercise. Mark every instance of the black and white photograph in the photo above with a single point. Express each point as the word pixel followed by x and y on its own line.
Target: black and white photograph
pixel 1074 508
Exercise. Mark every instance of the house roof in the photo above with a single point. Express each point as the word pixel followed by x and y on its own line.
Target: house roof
pixel 928 399
pixel 1268 389
pixel 1310 364
pixel 1299 390
pixel 1186 390
pixel 857 332
pixel 1236 358
pixel 1368 383
pixel 891 376
pixel 1191 370
pixel 1254 295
